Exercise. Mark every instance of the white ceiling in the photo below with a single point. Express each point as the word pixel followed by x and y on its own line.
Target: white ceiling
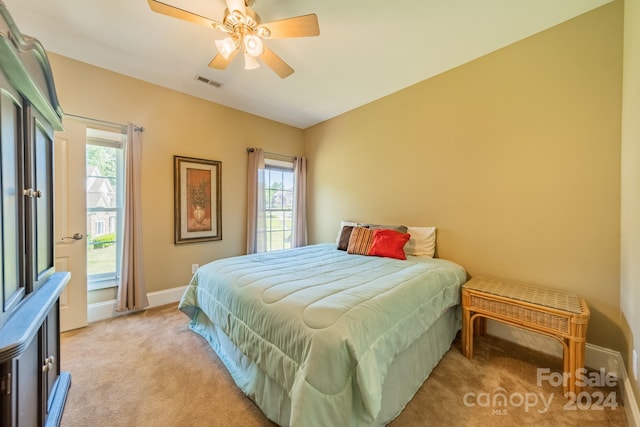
pixel 366 49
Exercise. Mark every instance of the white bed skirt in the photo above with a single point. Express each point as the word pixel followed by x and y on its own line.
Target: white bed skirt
pixel 406 374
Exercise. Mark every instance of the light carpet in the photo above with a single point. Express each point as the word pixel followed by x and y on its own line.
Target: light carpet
pixel 149 369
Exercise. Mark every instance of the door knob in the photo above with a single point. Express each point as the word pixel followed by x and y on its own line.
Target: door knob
pixel 77 236
pixel 30 192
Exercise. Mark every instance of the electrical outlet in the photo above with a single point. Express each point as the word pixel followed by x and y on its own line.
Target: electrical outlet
pixel 635 364
pixel 194 268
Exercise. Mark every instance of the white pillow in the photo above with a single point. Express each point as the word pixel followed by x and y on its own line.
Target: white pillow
pixel 422 241
pixel 342 224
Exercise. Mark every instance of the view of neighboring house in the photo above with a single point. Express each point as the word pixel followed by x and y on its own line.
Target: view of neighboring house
pixel 101 204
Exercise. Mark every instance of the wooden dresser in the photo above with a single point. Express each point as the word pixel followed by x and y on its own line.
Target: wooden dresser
pixel 33 389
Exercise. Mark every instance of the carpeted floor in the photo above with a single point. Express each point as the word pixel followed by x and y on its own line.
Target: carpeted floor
pixel 149 369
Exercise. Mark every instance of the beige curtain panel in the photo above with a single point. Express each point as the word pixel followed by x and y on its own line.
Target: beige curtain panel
pixel 256 225
pixel 132 294
pixel 300 200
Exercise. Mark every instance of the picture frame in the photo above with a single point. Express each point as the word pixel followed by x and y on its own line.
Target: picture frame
pixel 197 199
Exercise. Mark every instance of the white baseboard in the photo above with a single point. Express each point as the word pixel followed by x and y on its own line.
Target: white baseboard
pixel 630 405
pixel 107 309
pixel 596 357
pixel 168 296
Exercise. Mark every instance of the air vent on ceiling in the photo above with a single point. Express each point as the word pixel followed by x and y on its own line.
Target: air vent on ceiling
pixel 209 81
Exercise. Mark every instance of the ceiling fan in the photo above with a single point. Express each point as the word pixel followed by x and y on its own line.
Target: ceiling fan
pixel 246 33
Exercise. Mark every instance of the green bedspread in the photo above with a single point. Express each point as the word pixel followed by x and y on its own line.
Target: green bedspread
pixel 324 324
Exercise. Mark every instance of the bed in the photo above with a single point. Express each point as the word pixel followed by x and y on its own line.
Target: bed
pixel 321 337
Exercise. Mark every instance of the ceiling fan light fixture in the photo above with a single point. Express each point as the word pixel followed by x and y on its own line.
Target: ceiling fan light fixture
pixel 263 32
pixel 250 62
pixel 253 45
pixel 245 32
pixel 226 47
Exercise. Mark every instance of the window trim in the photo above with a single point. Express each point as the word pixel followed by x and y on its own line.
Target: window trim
pixel 116 140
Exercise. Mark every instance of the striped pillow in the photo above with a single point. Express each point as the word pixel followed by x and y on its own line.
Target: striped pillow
pixel 360 241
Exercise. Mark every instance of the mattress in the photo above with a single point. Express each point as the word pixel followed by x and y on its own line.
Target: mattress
pixel 321 325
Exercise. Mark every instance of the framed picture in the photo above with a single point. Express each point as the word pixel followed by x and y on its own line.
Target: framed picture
pixel 197 200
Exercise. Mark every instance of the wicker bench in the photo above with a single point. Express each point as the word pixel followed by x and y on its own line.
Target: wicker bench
pixel 560 315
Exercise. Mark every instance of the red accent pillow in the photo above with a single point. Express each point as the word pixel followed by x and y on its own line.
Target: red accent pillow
pixel 389 243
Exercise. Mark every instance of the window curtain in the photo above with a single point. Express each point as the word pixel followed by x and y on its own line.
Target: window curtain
pixel 132 294
pixel 300 202
pixel 256 223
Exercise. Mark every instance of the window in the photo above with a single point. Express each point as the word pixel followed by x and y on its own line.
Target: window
pixel 278 200
pixel 99 228
pixel 105 197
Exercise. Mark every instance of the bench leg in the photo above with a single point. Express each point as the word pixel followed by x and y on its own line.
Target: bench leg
pixel 575 361
pixel 480 326
pixel 467 334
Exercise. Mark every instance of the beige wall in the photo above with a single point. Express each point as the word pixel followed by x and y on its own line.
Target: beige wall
pixel 515 157
pixel 175 124
pixel 630 231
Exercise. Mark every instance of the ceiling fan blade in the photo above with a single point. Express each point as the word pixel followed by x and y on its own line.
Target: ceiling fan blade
pixel 176 12
pixel 280 67
pixel 299 26
pixel 220 63
pixel 236 5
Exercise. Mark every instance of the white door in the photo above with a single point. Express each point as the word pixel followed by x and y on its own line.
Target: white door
pixel 70 221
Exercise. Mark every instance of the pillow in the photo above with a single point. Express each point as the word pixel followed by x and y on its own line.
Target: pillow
pixel 343 239
pixel 389 243
pixel 360 240
pixel 399 228
pixel 342 224
pixel 422 241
